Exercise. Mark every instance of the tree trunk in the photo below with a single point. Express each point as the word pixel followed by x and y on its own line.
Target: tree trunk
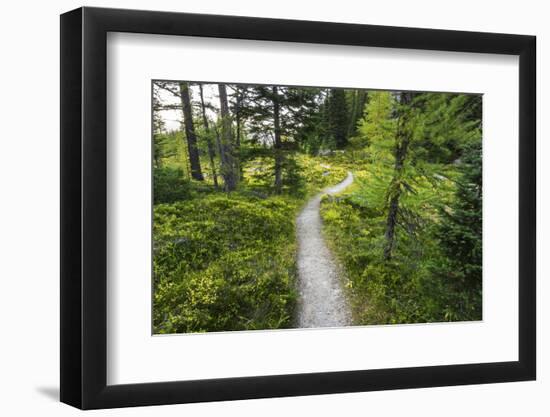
pixel 194 160
pixel 361 102
pixel 354 117
pixel 211 152
pixel 228 159
pixel 402 141
pixel 238 133
pixel 278 144
pixel 358 106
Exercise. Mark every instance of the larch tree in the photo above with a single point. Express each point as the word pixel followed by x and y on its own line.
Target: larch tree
pixel 386 129
pixel 403 137
pixel 421 131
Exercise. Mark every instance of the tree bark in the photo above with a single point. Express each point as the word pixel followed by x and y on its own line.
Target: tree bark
pixel 238 133
pixel 358 105
pixel 194 159
pixel 354 117
pixel 278 143
pixel 226 148
pixel 402 141
pixel 211 152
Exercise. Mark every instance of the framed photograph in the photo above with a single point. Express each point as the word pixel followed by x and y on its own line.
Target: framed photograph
pixel 256 208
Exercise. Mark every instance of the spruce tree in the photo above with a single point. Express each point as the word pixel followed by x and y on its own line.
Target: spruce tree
pixel 338 117
pixel 358 102
pixel 460 232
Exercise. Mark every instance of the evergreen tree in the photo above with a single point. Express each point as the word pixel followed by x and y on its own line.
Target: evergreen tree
pixel 447 124
pixel 338 117
pixel 358 102
pixel 399 184
pixel 413 133
pixel 460 234
pixel 276 115
pixel 377 127
pixel 209 142
pixel 190 134
pixel 225 144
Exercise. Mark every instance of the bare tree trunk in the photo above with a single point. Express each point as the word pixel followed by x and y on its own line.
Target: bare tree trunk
pixel 402 141
pixel 278 144
pixel 228 159
pixel 219 145
pixel 238 123
pixel 211 152
pixel 193 150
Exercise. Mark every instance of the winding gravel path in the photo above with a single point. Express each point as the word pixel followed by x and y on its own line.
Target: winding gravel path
pixel 322 300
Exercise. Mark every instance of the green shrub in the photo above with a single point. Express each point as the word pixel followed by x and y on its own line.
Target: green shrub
pixel 224 263
pixel 169 185
pixel 320 172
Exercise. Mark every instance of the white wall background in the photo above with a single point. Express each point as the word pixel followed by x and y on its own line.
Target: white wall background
pixel 29 225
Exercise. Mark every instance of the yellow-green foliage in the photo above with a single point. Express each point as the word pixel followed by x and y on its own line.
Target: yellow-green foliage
pixel 397 270
pixel 223 263
pixel 407 235
pixel 321 172
pixel 377 126
pixel 404 289
pixel 303 174
pixel 227 261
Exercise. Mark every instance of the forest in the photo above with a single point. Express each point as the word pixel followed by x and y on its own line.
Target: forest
pixel 288 207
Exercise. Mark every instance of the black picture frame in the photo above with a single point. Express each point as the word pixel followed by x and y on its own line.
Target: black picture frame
pixel 84 207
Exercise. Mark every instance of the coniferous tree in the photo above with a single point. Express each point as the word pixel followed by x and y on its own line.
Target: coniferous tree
pixel 277 140
pixel 377 127
pixel 210 145
pixel 226 143
pixel 358 102
pixel 414 133
pixel 236 106
pixel 460 233
pixel 277 115
pixel 193 150
pixel 403 137
pixel 338 117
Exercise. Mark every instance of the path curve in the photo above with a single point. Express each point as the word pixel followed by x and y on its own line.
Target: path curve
pixel 322 299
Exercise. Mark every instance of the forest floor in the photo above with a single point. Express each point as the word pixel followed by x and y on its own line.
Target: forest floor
pixel 322 301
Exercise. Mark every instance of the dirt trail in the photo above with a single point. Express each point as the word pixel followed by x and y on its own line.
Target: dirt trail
pixel 322 300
